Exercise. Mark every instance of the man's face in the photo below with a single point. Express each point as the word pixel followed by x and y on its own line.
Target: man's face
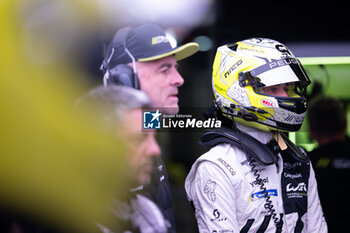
pixel 143 147
pixel 160 80
pixel 279 89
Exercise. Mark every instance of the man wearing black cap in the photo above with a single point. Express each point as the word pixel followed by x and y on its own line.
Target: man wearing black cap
pixel 143 58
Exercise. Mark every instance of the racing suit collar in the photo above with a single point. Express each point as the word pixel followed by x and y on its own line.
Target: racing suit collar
pixel 260 135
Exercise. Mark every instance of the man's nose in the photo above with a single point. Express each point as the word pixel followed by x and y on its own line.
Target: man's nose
pixel 153 147
pixel 177 79
pixel 283 93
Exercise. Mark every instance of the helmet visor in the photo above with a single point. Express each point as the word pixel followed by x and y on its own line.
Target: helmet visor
pixel 285 70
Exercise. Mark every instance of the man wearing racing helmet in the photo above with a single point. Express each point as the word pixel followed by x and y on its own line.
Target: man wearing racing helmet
pixel 253 178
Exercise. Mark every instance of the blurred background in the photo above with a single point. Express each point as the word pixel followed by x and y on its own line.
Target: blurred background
pixel 60 44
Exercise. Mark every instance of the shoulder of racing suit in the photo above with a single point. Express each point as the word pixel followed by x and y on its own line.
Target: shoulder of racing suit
pixel 265 154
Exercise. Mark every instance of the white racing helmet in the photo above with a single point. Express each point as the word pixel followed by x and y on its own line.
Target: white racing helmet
pixel 241 71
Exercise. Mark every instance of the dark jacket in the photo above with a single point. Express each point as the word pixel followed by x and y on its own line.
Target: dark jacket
pixel 332 168
pixel 159 191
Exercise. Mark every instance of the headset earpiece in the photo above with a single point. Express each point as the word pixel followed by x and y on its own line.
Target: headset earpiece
pixel 121 74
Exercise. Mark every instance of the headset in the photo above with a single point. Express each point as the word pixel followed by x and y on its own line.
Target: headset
pixel 121 74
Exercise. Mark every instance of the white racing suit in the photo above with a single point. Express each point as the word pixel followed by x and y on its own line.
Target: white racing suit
pixel 227 197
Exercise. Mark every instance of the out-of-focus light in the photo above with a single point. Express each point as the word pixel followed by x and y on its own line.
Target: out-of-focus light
pixel 205 43
pixel 182 13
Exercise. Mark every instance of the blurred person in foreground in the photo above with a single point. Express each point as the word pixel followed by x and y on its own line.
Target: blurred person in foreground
pixel 253 178
pixel 118 109
pixel 57 171
pixel 331 159
pixel 143 58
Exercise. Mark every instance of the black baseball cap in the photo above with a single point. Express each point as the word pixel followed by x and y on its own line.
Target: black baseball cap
pixel 147 42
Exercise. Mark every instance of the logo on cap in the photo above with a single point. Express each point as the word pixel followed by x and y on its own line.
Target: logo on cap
pixel 159 39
